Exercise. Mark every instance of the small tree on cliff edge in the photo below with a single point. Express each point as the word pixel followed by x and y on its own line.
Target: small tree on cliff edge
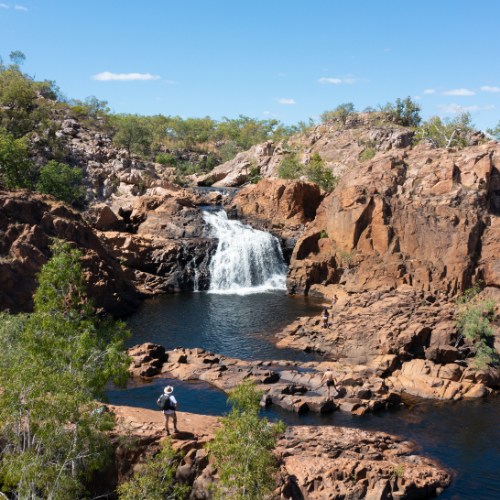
pixel 475 314
pixel 242 448
pixel 54 364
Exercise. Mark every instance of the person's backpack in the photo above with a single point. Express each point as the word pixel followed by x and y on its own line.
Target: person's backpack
pixel 166 403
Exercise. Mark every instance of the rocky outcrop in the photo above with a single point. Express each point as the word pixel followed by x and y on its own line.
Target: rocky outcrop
pixel 315 462
pixel 159 240
pixel 293 386
pixel 408 336
pixel 327 462
pixel 340 144
pixel 28 223
pixel 415 217
pixel 280 207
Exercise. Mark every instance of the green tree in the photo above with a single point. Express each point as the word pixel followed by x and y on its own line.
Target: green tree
pixel 475 314
pixel 133 134
pixel 409 112
pixel 317 172
pixel 154 479
pixel 290 167
pixel 61 181
pixel 54 364
pixel 342 111
pixel 242 448
pixel 17 57
pixel 495 132
pixel 446 132
pixel 15 167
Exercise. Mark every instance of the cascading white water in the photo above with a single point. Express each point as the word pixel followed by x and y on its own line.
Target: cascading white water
pixel 246 260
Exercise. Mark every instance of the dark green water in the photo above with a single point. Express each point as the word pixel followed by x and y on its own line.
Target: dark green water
pixel 463 436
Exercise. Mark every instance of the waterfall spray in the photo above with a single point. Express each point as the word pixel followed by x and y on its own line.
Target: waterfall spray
pixel 246 260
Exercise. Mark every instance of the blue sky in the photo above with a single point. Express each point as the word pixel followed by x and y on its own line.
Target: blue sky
pixel 286 59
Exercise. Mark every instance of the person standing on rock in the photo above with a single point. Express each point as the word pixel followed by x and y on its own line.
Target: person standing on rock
pixel 330 381
pixel 334 300
pixel 325 318
pixel 168 405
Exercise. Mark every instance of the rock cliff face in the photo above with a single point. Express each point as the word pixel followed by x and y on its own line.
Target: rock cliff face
pixel 416 217
pixel 315 462
pixel 28 222
pixel 280 207
pixel 165 249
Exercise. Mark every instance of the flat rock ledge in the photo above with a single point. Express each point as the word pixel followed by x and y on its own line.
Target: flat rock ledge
pixel 292 386
pixel 316 463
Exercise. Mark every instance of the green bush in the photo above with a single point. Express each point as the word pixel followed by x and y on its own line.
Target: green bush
pixel 154 478
pixel 61 181
pixel 15 167
pixel 342 111
pixel 165 159
pixel 323 234
pixel 242 448
pixel 321 175
pixel 55 363
pixel 367 154
pixel 290 167
pixel 475 314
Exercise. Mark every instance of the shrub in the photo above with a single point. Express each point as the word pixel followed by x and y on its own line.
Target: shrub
pixel 154 479
pixel 242 448
pixel 323 234
pixel 475 314
pixel 342 111
pixel 165 159
pixel 321 175
pixel 367 154
pixel 15 168
pixel 290 167
pixel 61 181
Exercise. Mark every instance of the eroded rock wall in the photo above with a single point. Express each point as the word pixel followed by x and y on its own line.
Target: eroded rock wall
pixel 28 223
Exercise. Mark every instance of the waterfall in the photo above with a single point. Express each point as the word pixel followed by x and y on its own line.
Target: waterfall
pixel 246 260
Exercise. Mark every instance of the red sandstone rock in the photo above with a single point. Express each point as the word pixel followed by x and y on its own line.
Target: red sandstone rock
pixel 28 222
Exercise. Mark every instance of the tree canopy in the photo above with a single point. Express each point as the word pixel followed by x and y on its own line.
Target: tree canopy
pixel 54 364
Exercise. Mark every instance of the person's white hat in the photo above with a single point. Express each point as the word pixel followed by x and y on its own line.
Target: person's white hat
pixel 168 390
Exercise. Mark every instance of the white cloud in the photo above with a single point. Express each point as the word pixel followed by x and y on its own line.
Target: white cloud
pixel 387 50
pixel 266 112
pixel 282 74
pixel 429 91
pixel 4 6
pixel 107 76
pixel 493 90
pixel 20 7
pixel 455 108
pixel 158 98
pixel 330 80
pixel 169 81
pixel 286 101
pixel 417 97
pixel 459 92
